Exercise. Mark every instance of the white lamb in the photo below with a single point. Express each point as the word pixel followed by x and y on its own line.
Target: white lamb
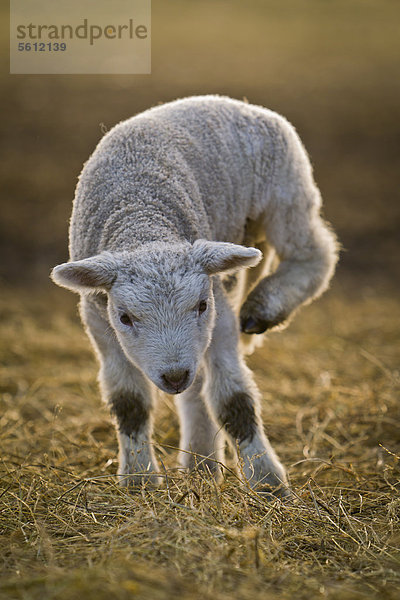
pixel 164 210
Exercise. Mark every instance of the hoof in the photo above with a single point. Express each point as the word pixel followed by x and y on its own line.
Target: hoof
pixel 137 480
pixel 283 493
pixel 251 325
pixel 254 325
pixel 271 491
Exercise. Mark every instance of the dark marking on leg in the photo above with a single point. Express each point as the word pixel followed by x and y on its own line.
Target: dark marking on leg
pixel 130 412
pixel 238 417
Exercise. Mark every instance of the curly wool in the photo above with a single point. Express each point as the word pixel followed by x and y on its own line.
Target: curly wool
pixel 199 167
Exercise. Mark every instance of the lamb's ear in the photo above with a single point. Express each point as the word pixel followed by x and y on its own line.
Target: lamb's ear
pixel 221 257
pixel 86 275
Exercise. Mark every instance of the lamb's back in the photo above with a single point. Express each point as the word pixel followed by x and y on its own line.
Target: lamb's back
pixel 183 170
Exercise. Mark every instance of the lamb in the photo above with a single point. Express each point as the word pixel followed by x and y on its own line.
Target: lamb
pixel 170 210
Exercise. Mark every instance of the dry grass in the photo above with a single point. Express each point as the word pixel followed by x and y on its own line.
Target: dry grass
pixel 328 383
pixel 68 531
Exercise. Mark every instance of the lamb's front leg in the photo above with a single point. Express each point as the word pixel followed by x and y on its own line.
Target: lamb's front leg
pixel 128 394
pixel 234 401
pixel 132 411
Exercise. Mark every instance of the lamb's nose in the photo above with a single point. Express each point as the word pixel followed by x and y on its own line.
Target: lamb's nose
pixel 176 378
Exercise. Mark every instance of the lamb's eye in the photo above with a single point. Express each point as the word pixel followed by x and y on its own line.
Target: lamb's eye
pixel 202 307
pixel 125 319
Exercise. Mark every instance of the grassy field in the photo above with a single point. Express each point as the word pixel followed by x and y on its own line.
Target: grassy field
pixel 329 383
pixel 329 402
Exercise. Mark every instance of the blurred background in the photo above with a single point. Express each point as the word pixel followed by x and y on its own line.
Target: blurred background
pixel 330 66
pixel 329 383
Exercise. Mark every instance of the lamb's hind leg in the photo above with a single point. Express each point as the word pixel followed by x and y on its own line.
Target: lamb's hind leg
pixel 234 400
pixel 202 441
pixel 128 394
pixel 307 251
pixel 248 343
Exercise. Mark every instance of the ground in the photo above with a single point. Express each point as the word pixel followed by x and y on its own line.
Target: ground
pixel 328 385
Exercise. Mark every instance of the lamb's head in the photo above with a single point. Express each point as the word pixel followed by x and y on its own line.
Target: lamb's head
pixel 160 301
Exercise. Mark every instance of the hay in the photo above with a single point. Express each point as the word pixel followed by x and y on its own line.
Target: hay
pixel 68 531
